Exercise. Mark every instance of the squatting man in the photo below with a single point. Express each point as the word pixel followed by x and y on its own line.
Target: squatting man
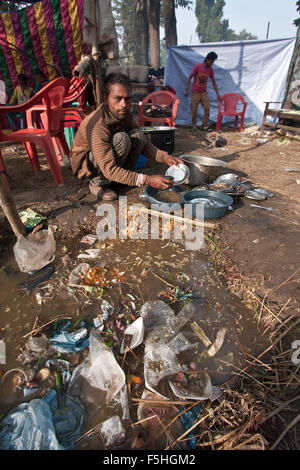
pixel 108 143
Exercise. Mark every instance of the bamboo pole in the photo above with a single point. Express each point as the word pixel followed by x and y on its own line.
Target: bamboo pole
pixel 164 215
pixel 9 208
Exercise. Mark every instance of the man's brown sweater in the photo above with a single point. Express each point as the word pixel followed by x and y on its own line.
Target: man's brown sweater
pixel 95 133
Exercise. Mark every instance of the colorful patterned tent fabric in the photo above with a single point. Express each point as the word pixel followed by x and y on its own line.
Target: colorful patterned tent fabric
pixel 45 34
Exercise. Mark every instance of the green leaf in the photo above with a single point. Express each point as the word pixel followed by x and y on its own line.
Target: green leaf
pixel 109 342
pixel 58 381
pixel 101 292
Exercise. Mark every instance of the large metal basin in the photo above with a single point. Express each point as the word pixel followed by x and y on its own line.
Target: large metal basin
pixel 202 169
pixel 222 202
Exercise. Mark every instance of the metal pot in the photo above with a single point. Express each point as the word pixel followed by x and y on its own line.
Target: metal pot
pixel 202 169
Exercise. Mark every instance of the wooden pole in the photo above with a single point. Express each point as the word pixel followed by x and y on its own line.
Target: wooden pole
pixel 9 208
pixel 197 223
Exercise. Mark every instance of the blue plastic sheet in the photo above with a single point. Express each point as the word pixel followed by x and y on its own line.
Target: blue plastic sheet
pixel 42 425
pixel 66 342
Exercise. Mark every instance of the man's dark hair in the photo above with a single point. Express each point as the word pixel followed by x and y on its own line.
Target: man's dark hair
pixel 211 56
pixel 119 78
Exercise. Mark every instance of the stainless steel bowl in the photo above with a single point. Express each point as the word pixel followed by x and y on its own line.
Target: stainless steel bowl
pixel 202 169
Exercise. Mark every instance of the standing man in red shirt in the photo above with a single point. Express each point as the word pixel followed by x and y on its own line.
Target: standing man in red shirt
pixel 201 73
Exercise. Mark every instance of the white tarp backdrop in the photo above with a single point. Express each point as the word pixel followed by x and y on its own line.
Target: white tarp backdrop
pixel 257 70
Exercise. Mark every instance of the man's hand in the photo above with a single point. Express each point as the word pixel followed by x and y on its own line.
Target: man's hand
pixel 186 93
pixel 159 182
pixel 170 160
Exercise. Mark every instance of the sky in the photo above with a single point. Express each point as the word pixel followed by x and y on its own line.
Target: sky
pixel 252 15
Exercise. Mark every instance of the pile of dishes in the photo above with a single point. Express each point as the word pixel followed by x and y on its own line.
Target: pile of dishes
pixel 232 184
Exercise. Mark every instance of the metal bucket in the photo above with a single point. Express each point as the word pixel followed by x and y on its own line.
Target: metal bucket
pixel 163 137
pixel 202 169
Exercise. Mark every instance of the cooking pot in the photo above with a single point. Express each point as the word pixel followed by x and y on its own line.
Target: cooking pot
pixel 202 169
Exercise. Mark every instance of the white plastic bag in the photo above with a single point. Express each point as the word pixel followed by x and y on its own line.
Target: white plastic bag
pixel 101 369
pixel 35 251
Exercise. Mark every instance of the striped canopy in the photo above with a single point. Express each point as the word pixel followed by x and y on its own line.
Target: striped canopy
pixel 45 34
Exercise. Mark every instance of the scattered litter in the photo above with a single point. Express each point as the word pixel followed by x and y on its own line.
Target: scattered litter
pixel 220 142
pixel 112 431
pixel 37 277
pixel 31 218
pixel 89 239
pixel 261 141
pixel 256 240
pixel 180 344
pixel 218 343
pixel 188 419
pixel 298 181
pixel 69 342
pixel 197 387
pixel 270 209
pixel 133 335
pixel 292 169
pixel 159 362
pixel 90 254
pixel 100 369
pixel 107 310
pixel 157 313
pixel 35 251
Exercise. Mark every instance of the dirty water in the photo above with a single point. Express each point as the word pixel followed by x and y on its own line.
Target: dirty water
pixel 149 270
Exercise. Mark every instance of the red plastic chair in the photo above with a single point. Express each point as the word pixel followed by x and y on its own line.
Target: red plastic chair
pixel 230 109
pixel 162 98
pixel 74 105
pixel 51 97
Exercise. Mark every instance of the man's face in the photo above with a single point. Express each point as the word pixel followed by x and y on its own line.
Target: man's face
pixel 119 101
pixel 209 62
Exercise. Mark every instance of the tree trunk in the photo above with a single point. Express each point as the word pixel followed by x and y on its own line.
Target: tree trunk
pixel 170 23
pixel 154 20
pixel 8 206
pixel 141 32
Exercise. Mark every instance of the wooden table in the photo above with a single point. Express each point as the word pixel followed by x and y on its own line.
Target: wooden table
pixel 281 113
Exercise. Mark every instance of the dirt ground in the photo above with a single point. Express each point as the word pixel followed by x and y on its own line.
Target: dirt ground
pixel 262 246
pixel 256 254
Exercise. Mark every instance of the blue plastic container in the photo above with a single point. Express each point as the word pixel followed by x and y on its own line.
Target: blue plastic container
pixel 141 163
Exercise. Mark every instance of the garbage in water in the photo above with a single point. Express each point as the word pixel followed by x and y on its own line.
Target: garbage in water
pixel 37 277
pixel 42 425
pixel 35 251
pixel 168 349
pixel 66 341
pixel 31 218
pixel 133 335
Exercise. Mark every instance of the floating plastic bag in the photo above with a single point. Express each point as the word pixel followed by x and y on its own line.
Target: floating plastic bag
pixel 157 313
pixel 67 419
pixel 76 276
pixel 42 425
pixel 29 427
pixel 66 342
pixel 112 431
pixel 160 361
pixel 35 251
pixel 101 368
pixel 194 388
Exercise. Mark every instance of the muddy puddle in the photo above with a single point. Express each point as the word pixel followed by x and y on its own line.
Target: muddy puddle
pixel 143 271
